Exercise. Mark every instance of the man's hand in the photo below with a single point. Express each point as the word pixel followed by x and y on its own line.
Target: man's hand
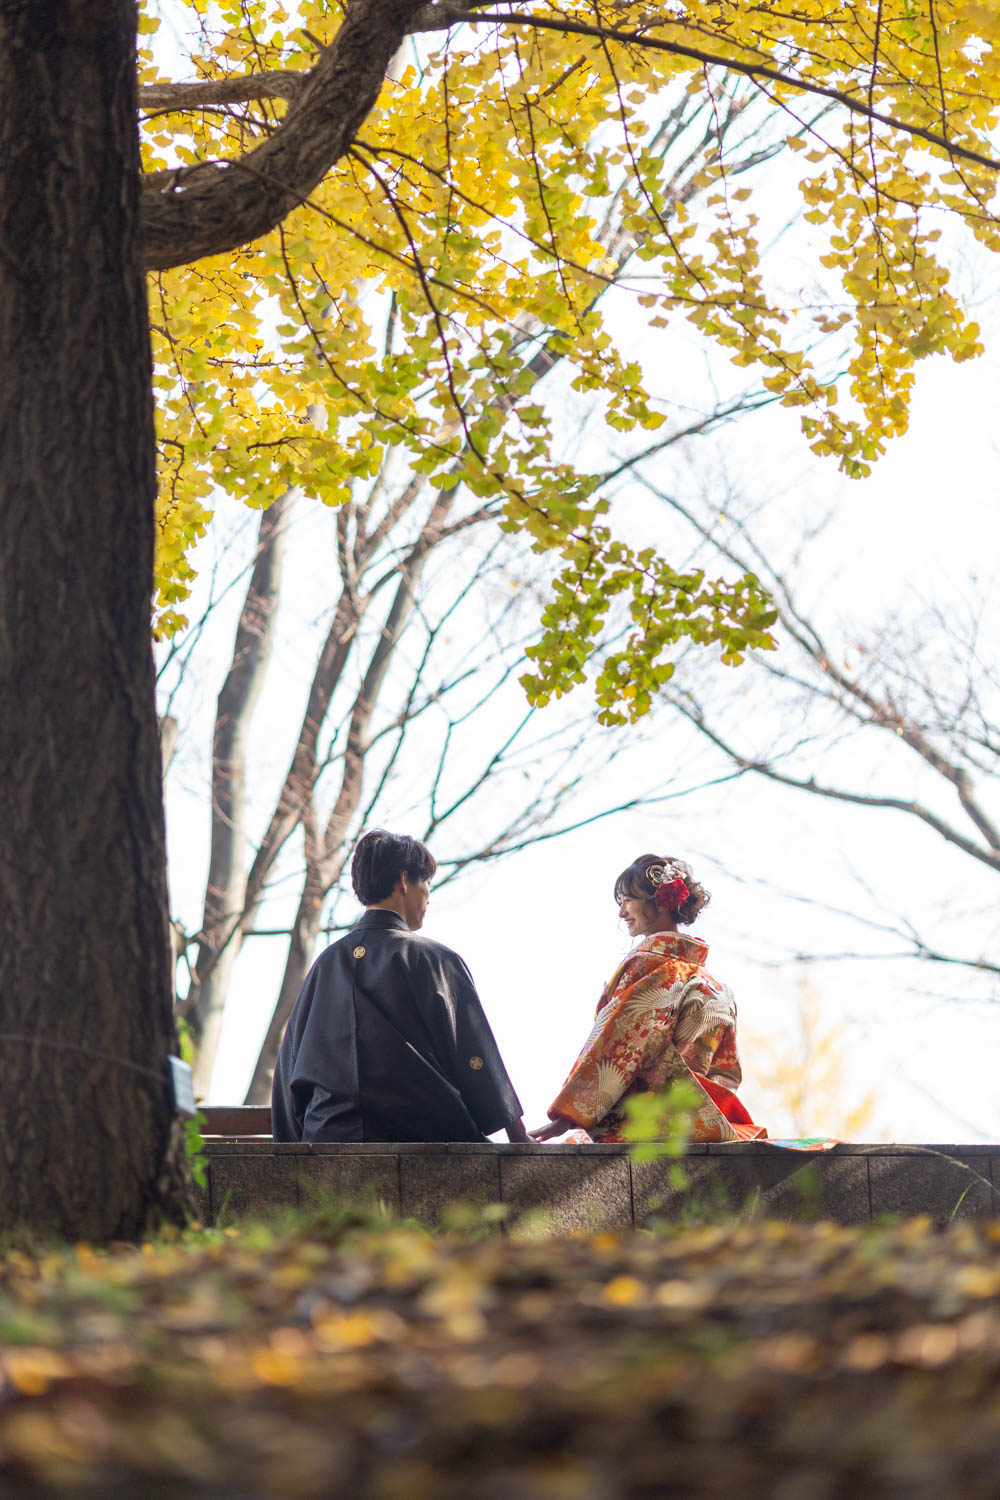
pixel 517 1132
pixel 558 1126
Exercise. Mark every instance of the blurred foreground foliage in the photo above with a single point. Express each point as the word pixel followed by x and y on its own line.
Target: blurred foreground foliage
pixel 351 1357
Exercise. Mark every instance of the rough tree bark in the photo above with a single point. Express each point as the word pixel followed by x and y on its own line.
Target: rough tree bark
pixel 85 1120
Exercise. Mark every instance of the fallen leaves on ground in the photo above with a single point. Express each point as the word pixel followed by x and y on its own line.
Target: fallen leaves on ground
pixel 752 1359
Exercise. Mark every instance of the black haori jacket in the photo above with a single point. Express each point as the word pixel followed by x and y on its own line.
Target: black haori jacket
pixel 388 1042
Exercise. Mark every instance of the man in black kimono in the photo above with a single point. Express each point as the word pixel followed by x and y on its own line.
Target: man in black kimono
pixel 388 1040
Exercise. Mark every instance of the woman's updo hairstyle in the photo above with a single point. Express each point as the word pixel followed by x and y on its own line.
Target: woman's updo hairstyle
pixel 379 860
pixel 647 874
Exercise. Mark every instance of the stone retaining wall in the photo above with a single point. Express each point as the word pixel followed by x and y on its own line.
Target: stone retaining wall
pixel 562 1188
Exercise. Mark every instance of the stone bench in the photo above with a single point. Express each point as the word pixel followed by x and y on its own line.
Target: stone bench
pixel 561 1188
pixel 235 1119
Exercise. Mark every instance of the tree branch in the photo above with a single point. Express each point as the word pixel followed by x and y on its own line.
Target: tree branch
pixel 851 697
pixel 214 207
pixel 731 64
pixel 239 88
pixel 915 809
pixel 217 206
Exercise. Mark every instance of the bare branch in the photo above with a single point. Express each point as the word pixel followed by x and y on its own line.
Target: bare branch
pixel 918 951
pixel 861 799
pixel 239 88
pixel 853 698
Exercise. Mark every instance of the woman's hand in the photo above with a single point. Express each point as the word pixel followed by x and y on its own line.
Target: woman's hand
pixel 558 1126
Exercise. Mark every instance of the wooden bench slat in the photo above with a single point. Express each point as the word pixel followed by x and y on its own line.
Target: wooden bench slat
pixel 236 1119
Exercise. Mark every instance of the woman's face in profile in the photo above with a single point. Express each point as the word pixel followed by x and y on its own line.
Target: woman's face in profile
pixel 633 912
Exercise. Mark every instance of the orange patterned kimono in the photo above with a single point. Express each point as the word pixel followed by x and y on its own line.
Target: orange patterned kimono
pixel 660 1018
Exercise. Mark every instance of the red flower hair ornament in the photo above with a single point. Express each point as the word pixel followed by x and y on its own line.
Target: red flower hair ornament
pixel 670 895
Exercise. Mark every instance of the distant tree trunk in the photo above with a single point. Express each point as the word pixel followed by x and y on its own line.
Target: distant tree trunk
pixel 86 1144
pixel 169 730
pixel 325 860
pixel 301 946
pixel 220 949
pixel 225 892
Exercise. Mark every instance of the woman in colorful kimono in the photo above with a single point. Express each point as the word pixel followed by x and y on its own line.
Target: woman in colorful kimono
pixel 661 1017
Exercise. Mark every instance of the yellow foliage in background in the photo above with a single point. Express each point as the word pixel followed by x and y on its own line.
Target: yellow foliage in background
pixel 803 1077
pixel 407 311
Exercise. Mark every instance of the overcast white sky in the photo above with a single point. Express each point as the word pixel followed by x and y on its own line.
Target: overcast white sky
pixel 539 930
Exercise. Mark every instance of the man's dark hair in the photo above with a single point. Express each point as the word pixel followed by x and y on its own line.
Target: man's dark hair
pixel 379 860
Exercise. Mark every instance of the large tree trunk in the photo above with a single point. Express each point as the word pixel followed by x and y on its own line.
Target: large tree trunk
pixel 85 1119
pixel 225 891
